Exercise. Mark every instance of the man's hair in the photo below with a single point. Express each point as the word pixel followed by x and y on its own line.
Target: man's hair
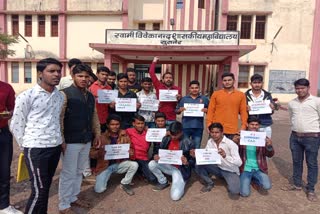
pixel 113 117
pixel 194 82
pixel 146 79
pixel 74 61
pixel 103 69
pixel 166 73
pixel 138 117
pixel 253 119
pixel 227 74
pixel 42 64
pixel 256 77
pixel 94 77
pixel 216 125
pixel 175 127
pixel 112 73
pixel 82 67
pixel 130 70
pixel 122 76
pixel 159 115
pixel 302 81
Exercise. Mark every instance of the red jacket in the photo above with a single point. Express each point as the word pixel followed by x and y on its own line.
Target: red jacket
pixel 139 144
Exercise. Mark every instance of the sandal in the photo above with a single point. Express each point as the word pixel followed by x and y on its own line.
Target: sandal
pixel 81 203
pixel 311 196
pixel 291 188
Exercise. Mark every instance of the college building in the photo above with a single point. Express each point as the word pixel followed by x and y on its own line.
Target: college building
pixel 195 39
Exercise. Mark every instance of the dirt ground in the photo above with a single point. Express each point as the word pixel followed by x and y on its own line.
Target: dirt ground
pixel 114 200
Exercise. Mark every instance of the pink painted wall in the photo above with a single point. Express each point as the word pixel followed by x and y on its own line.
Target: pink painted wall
pixel 3 26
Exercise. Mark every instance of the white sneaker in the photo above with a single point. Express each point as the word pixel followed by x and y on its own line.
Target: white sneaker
pixel 10 210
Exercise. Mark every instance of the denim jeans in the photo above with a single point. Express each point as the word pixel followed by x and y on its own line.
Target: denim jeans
pixel 195 135
pixel 128 167
pixel 258 177
pixel 144 169
pixel 232 179
pixel 267 130
pixel 178 184
pixel 309 146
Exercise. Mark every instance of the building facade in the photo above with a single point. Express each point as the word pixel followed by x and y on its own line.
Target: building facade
pixel 281 39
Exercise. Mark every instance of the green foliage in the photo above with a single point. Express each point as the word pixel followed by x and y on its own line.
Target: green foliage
pixel 5 41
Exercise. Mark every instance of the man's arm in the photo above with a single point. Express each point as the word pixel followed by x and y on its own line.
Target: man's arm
pixel 234 157
pixel 152 72
pixel 211 110
pixel 243 112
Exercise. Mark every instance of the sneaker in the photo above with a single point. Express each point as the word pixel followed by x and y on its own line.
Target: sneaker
pixel 207 188
pixel 127 189
pixel 89 179
pixel 10 210
pixel 291 187
pixel 160 187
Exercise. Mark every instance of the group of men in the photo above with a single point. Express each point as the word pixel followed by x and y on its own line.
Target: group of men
pixel 47 122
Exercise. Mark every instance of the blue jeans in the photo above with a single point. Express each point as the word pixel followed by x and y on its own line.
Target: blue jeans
pixel 309 146
pixel 195 135
pixel 266 129
pixel 144 169
pixel 256 176
pixel 178 184
pixel 128 167
pixel 232 179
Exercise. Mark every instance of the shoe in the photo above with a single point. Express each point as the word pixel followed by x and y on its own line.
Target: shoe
pixel 311 196
pixel 10 210
pixel 160 187
pixel 291 187
pixel 127 189
pixel 81 203
pixel 89 179
pixel 67 211
pixel 207 188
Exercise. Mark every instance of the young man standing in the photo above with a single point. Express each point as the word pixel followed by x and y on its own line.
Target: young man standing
pixel 35 125
pixel 304 112
pixel 144 94
pixel 256 93
pixel 80 125
pixel 67 80
pixel 230 161
pixel 167 83
pixel 225 106
pixel 7 97
pixel 193 126
pixel 133 85
pixel 112 79
pixel 104 168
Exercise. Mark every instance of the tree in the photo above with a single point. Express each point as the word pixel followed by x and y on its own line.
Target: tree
pixel 5 41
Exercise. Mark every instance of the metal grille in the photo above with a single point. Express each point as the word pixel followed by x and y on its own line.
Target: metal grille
pixel 243 80
pixel 260 27
pixel 246 27
pixel 232 22
pixel 54 25
pixel 41 25
pixel 28 25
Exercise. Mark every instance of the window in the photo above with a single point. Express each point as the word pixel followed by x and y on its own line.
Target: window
pixel 27 72
pixel 179 4
pixel 142 26
pixel 15 72
pixel 54 25
pixel 232 22
pixel 156 26
pixel 246 27
pixel 259 69
pixel 41 25
pixel 28 25
pixel 201 4
pixel 243 81
pixel 226 68
pixel 260 27
pixel 15 24
pixel 100 65
pixel 115 67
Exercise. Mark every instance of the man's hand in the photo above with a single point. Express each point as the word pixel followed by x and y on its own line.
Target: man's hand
pixel 192 153
pixel 156 157
pixel 184 160
pixel 222 152
pixel 112 104
pixel 272 106
pixel 97 142
pixel 138 105
pixel 248 108
pixel 236 138
pixel 5 115
pixel 181 109
pixel 156 59
pixel 268 142
pixel 178 96
pixel 205 110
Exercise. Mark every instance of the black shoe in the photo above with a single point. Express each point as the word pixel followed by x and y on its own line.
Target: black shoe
pixel 127 189
pixel 160 187
pixel 207 188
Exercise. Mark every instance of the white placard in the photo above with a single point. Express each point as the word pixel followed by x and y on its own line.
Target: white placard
pixel 250 138
pixel 207 156
pixel 260 107
pixel 155 134
pixel 148 104
pixel 107 96
pixel 168 95
pixel 170 156
pixel 126 104
pixel 117 151
pixel 193 110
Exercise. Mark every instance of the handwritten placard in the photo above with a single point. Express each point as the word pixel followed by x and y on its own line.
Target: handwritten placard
pixel 107 96
pixel 260 107
pixel 168 95
pixel 148 104
pixel 250 138
pixel 207 156
pixel 193 110
pixel 155 134
pixel 170 156
pixel 126 104
pixel 117 151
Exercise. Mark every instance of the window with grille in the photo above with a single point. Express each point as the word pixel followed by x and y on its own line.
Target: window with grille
pixel 115 67
pixel 260 27
pixel 156 26
pixel 259 69
pixel 28 25
pixel 226 68
pixel 179 4
pixel 232 22
pixel 243 80
pixel 27 72
pixel 41 25
pixel 201 4
pixel 54 25
pixel 142 26
pixel 15 24
pixel 245 27
pixel 15 72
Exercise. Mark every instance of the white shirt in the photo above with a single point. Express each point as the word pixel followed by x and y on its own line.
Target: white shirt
pixel 148 115
pixel 259 98
pixel 65 82
pixel 36 118
pixel 232 161
pixel 305 115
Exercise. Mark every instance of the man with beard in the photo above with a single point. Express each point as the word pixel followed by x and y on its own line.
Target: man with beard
pixel 225 106
pixel 167 83
pixel 133 85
